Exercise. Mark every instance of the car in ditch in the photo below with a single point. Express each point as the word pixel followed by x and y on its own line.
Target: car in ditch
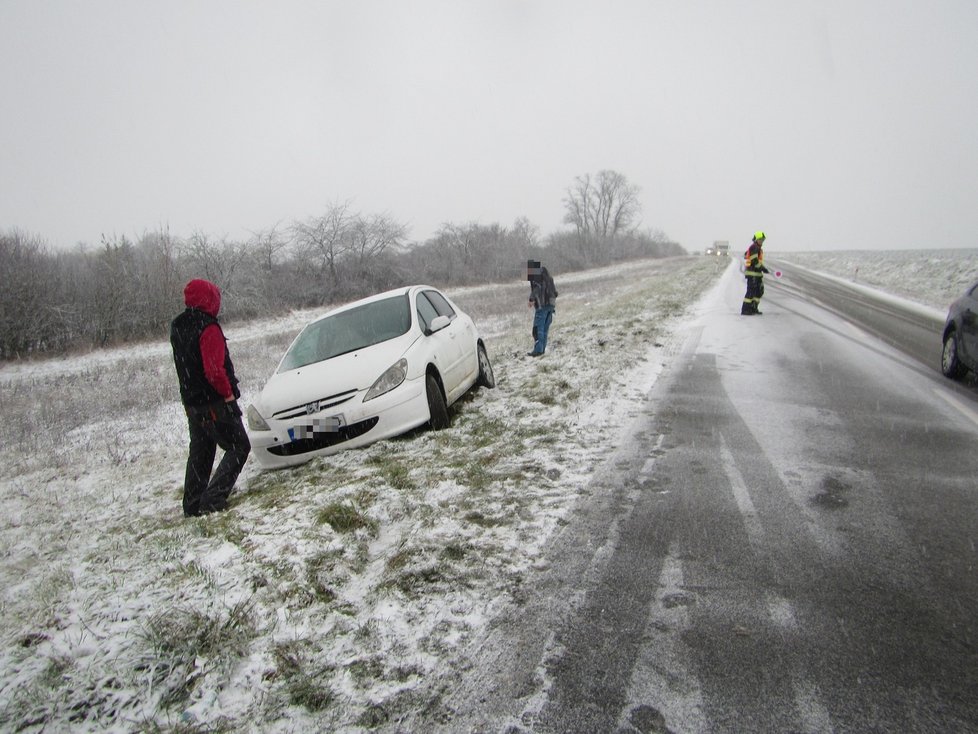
pixel 366 371
pixel 960 338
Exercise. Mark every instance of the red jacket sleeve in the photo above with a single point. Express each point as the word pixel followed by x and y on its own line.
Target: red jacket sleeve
pixel 212 352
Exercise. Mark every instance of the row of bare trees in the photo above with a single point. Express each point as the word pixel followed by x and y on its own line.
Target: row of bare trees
pixel 126 290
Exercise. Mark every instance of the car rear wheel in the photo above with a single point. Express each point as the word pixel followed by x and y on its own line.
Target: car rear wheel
pixel 950 363
pixel 437 407
pixel 487 378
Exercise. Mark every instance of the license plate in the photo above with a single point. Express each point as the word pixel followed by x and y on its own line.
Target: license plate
pixel 332 424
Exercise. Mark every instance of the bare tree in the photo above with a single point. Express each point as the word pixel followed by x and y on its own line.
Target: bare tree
pixel 159 279
pixel 601 208
pixel 371 237
pixel 462 241
pixel 26 314
pixel 217 261
pixel 578 205
pixel 526 235
pixel 112 294
pixel 374 243
pixel 267 243
pixel 325 239
pixel 472 252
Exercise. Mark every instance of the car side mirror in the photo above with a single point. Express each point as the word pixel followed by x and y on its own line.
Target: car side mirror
pixel 438 323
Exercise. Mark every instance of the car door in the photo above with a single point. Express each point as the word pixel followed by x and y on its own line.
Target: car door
pixel 447 343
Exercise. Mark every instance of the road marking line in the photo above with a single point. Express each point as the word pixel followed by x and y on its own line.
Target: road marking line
pixel 662 677
pixel 965 410
pixel 781 612
pixel 815 718
pixel 860 334
pixel 649 466
pixel 755 532
pixel 814 715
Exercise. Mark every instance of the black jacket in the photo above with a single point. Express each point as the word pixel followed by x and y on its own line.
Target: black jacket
pixel 543 292
pixel 185 331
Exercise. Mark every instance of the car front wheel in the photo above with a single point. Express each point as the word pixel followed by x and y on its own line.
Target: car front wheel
pixel 487 378
pixel 437 407
pixel 950 363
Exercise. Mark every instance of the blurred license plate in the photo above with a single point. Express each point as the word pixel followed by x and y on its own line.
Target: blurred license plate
pixel 317 426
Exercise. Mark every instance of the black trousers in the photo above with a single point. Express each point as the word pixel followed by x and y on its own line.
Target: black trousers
pixel 210 427
pixel 755 289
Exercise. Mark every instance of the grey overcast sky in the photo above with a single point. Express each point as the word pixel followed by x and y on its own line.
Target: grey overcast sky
pixel 830 124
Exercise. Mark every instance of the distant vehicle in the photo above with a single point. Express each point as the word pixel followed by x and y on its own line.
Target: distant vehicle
pixel 369 370
pixel 720 248
pixel 960 352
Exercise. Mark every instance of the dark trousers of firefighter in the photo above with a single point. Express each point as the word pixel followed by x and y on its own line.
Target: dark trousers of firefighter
pixel 211 427
pixel 755 289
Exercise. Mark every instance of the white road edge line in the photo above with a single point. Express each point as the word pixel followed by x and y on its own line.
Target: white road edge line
pixel 965 410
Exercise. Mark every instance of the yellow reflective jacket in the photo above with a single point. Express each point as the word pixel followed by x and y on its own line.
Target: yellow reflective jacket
pixel 754 261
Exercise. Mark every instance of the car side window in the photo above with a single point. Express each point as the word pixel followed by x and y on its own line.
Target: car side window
pixel 426 312
pixel 441 305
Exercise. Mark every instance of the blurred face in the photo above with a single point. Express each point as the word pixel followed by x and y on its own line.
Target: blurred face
pixel 532 273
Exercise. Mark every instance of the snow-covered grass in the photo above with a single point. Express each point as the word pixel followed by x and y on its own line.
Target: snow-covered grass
pixel 332 596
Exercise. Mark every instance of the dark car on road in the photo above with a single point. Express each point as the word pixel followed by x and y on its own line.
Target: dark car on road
pixel 961 336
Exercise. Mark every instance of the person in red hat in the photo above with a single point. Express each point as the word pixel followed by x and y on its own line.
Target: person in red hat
pixel 209 393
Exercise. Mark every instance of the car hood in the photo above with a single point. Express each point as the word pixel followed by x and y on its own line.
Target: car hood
pixel 352 371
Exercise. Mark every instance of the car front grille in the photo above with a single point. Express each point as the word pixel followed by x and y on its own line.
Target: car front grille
pixel 320 405
pixel 325 439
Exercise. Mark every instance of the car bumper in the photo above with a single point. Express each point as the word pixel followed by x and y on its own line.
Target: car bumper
pixel 397 412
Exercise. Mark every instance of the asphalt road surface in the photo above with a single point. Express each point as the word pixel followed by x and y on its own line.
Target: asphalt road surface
pixel 785 541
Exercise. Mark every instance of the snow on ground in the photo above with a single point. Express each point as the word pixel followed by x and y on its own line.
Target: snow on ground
pixel 333 596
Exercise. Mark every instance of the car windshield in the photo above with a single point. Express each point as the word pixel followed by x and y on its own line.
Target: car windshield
pixel 349 331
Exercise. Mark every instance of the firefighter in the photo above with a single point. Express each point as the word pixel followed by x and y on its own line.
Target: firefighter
pixel 754 270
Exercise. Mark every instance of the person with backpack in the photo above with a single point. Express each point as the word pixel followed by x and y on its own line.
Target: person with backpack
pixel 543 299
pixel 754 271
pixel 209 393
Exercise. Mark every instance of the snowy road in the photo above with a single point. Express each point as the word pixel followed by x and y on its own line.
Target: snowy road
pixel 784 541
pixel 912 329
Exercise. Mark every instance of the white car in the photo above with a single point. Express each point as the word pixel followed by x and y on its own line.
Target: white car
pixel 369 370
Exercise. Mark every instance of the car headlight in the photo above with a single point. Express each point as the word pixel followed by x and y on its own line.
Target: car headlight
pixel 255 421
pixel 392 377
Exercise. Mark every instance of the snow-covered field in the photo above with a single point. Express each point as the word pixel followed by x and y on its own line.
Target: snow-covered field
pixel 932 278
pixel 338 595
